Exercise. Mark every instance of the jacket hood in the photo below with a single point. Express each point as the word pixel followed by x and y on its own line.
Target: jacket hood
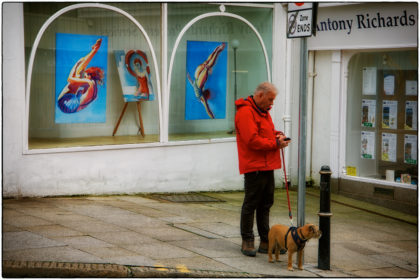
pixel 249 101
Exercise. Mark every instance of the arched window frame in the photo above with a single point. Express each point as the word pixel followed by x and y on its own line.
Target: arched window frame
pixel 163 95
pixel 38 39
pixel 181 34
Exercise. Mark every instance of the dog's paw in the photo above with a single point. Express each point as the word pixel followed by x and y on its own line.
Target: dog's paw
pixel 271 261
pixel 301 268
pixel 290 268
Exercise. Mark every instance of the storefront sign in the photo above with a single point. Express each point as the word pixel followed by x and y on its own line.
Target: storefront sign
pixel 369 25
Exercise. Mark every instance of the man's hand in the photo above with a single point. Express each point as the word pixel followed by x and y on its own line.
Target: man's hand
pixel 281 141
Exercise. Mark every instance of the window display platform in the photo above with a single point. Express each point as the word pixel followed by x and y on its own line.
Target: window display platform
pixel 51 143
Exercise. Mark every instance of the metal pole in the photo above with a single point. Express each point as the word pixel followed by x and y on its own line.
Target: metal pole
pixel 302 134
pixel 234 67
pixel 324 214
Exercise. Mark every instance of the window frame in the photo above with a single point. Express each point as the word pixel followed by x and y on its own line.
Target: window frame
pixel 347 55
pixel 163 78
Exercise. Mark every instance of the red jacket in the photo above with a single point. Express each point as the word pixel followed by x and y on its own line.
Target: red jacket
pixel 258 149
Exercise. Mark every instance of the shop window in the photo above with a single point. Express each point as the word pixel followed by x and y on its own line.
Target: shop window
pixel 81 78
pixel 382 124
pixel 219 59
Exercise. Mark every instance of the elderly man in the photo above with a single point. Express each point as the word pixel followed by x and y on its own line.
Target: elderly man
pixel 259 147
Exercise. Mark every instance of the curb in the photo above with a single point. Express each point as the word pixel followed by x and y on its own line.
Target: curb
pixel 48 269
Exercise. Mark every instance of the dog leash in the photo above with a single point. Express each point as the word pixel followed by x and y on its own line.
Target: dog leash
pixel 287 188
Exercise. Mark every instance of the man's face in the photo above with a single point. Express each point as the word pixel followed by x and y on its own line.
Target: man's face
pixel 266 101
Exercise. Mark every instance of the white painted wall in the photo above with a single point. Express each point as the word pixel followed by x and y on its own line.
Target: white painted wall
pixel 321 113
pixel 169 167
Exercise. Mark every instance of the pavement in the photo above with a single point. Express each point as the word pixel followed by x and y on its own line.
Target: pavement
pixel 146 236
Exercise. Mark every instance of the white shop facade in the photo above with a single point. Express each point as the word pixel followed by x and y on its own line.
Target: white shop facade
pixel 166 150
pixel 176 153
pixel 364 64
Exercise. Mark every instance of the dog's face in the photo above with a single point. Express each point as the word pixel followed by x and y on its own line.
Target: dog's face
pixel 311 231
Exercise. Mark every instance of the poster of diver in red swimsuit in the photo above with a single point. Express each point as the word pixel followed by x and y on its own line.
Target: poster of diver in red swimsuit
pixel 205 96
pixel 135 77
pixel 80 72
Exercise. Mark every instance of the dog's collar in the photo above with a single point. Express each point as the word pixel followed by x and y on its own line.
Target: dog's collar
pixel 300 242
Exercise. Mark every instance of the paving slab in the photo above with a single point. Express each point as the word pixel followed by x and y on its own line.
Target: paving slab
pixel 197 231
pixel 148 211
pixel 260 265
pixel 132 221
pixel 199 262
pixel 333 272
pixel 348 260
pixel 399 259
pixel 131 260
pixel 160 250
pixel 26 240
pixel 212 248
pixel 96 226
pixel 218 228
pixel 82 242
pixel 403 245
pixel 25 221
pixel 138 200
pixel 122 237
pixel 10 228
pixel 391 272
pixel 56 254
pixel 108 252
pixel 97 210
pixel 53 231
pixel 167 233
pixel 65 217
pixel 176 219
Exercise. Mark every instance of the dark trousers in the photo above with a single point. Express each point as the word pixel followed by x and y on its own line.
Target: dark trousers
pixel 259 197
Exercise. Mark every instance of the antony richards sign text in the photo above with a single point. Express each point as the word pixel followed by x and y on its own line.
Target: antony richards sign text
pixel 364 21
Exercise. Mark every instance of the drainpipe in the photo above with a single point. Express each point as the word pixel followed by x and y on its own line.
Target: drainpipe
pixel 309 135
pixel 287 118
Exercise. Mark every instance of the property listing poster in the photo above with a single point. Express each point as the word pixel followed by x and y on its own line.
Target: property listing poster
pixel 410 149
pixel 410 87
pixel 368 145
pixel 389 84
pixel 410 115
pixel 389 114
pixel 389 147
pixel 369 80
pixel 368 112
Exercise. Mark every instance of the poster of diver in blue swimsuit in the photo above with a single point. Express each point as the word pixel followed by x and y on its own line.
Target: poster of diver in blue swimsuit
pixel 205 96
pixel 80 72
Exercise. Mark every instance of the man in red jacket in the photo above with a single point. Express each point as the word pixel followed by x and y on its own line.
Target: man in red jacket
pixel 259 147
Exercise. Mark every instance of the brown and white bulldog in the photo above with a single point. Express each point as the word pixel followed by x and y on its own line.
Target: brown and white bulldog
pixel 291 239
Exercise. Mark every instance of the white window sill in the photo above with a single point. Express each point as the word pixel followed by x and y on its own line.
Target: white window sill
pixel 379 182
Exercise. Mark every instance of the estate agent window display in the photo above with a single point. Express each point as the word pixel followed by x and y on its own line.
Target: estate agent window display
pixel 382 137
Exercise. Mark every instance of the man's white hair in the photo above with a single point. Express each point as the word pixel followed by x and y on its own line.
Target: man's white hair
pixel 266 87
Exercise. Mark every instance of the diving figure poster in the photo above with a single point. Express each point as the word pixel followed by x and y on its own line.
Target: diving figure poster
pixel 80 71
pixel 205 96
pixel 134 72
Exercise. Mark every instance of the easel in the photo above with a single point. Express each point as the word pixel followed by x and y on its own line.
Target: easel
pixel 141 129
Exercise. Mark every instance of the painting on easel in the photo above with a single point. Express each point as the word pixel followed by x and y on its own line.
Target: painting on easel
pixel 80 71
pixel 135 78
